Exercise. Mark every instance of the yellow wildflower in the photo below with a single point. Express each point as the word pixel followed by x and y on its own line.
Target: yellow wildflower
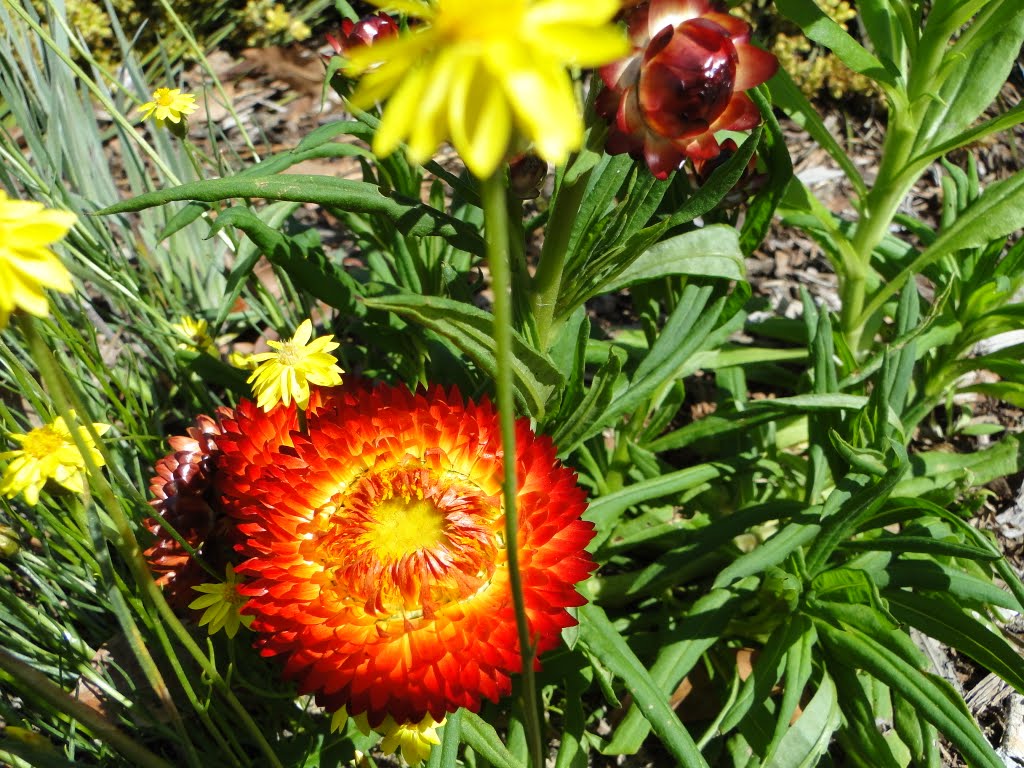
pixel 169 104
pixel 299 30
pixel 286 374
pixel 223 603
pixel 48 453
pixel 197 335
pixel 483 75
pixel 277 19
pixel 242 360
pixel 27 265
pixel 414 739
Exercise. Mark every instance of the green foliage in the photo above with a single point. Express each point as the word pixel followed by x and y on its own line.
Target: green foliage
pixel 800 518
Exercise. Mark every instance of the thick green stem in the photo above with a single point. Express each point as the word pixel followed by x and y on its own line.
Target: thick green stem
pixel 547 282
pixel 890 188
pixel 496 231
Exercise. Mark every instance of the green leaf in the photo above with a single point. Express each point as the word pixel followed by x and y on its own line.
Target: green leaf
pixel 410 216
pixel 857 650
pixel 711 251
pixel 792 537
pixel 788 96
pixel 928 574
pixel 973 71
pixel 300 256
pixel 775 153
pixel 944 620
pixel 997 213
pixel 605 642
pixel 605 510
pixel 808 739
pixel 824 31
pixel 481 736
pixel 578 425
pixel 471 331
pixel 704 624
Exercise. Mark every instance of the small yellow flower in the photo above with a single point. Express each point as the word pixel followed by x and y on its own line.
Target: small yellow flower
pixel 242 360
pixel 169 104
pixel 341 717
pixel 286 374
pixel 197 335
pixel 299 30
pixel 48 453
pixel 414 739
pixel 222 602
pixel 277 19
pixel 485 75
pixel 27 265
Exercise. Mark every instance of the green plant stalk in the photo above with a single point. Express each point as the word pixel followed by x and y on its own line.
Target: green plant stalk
pixel 64 397
pixel 496 230
pixel 880 207
pixel 547 281
pixel 53 695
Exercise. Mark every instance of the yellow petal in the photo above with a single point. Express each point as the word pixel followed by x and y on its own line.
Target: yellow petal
pixel 481 121
pixel 400 113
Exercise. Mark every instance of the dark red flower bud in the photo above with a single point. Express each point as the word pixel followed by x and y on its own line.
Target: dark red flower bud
pixel 366 31
pixel 684 81
pixel 526 174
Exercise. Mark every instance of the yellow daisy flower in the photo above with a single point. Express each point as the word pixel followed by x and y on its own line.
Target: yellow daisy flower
pixel 48 453
pixel 27 265
pixel 223 603
pixel 286 374
pixel 483 75
pixel 414 739
pixel 197 335
pixel 169 104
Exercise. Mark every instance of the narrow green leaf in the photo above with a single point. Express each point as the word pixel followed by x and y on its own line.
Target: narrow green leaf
pixel 712 251
pixel 809 737
pixel 788 96
pixel 854 649
pixel 704 624
pixel 471 331
pixel 605 510
pixel 604 641
pixel 826 32
pixel 481 736
pixel 410 216
pixel 947 623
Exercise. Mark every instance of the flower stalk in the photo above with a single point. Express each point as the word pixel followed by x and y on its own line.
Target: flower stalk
pixel 496 232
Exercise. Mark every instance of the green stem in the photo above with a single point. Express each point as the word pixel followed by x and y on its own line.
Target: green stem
pixel 37 684
pixel 65 398
pixel 547 282
pixel 496 230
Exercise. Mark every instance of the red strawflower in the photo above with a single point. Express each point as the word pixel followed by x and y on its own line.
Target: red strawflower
pixel 366 31
pixel 691 64
pixel 184 498
pixel 375 546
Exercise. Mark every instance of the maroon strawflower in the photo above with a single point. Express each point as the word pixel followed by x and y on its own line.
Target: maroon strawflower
pixel 366 31
pixel 685 80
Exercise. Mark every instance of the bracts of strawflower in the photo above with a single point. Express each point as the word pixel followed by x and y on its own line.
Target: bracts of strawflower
pixel 683 82
pixel 369 547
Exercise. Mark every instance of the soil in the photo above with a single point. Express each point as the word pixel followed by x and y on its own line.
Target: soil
pixel 277 95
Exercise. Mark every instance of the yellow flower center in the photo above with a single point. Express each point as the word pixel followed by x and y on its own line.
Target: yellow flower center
pixel 401 542
pixel 405 526
pixel 164 97
pixel 43 442
pixel 290 353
